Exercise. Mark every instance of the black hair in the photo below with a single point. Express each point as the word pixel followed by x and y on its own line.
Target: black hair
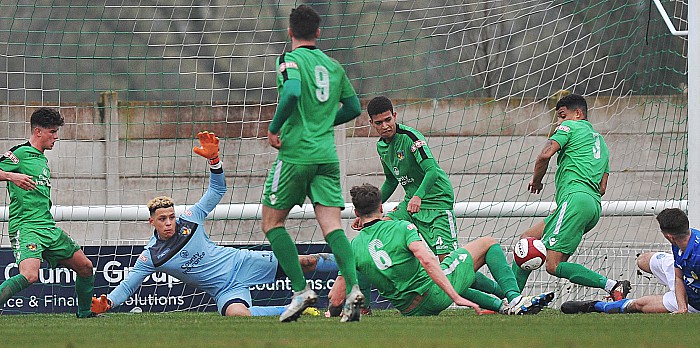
pixel 674 222
pixel 379 105
pixel 304 22
pixel 573 102
pixel 46 118
pixel 366 198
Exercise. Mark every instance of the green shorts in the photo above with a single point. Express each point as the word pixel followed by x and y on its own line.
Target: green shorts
pixel 437 227
pixel 50 244
pixel 577 214
pixel 459 269
pixel 289 184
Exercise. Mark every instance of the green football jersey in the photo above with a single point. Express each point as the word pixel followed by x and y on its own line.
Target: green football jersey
pixel 582 160
pixel 31 207
pixel 382 255
pixel 402 157
pixel 307 135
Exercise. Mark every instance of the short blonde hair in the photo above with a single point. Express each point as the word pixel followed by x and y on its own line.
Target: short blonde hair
pixel 160 202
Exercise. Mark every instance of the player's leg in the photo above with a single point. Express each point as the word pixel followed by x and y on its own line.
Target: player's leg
pixel 643 261
pixel 28 274
pixel 285 187
pixel 438 229
pixel 67 252
pixel 326 195
pixel 521 275
pixel 487 251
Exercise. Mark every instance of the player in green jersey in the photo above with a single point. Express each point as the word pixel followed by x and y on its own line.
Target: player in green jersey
pixel 580 181
pixel 394 258
pixel 429 198
pixel 406 159
pixel 310 85
pixel 33 232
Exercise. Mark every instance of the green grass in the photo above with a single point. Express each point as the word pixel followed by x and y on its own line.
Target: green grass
pixel 453 328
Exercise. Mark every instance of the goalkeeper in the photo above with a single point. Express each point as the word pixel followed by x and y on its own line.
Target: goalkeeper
pixel 181 248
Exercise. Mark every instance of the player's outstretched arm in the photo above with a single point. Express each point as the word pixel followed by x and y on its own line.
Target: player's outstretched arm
pixel 429 262
pixel 209 149
pixel 22 181
pixel 541 164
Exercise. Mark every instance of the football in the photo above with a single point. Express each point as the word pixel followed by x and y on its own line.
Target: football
pixel 529 253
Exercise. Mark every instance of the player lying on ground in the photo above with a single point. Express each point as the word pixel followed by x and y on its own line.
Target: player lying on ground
pixel 580 181
pixel 392 256
pixel 678 271
pixel 181 248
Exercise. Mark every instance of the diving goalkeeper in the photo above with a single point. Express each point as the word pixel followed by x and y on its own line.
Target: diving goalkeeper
pixel 181 248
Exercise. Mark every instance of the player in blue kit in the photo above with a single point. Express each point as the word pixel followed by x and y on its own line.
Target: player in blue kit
pixel 678 271
pixel 181 248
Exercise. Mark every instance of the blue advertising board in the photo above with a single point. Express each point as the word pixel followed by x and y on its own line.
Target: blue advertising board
pixel 55 292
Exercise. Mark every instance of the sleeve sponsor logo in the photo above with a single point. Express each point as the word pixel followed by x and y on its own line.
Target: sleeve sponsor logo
pixel 288 65
pixel 12 157
pixel 143 258
pixel 563 128
pixel 418 144
pixel 188 212
pixel 411 227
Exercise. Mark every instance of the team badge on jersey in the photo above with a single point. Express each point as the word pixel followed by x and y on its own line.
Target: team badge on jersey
pixel 185 231
pixel 563 128
pixel 31 246
pixel 418 144
pixel 400 154
pixel 12 157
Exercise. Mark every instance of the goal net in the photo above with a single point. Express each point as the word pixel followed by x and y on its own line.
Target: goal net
pixel 136 81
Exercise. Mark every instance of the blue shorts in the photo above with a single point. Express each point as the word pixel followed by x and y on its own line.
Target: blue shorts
pixel 257 267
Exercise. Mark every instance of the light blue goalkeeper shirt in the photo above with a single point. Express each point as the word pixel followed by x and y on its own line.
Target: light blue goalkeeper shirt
pixel 189 255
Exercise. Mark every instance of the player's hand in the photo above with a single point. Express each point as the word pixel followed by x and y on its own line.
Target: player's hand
pixel 414 205
pixel 209 147
pixel 535 187
pixel 680 311
pixel 274 140
pixel 461 301
pixel 100 305
pixel 23 181
pixel 357 224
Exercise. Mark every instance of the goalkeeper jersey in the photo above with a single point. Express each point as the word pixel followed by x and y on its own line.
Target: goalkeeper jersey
pixel 189 255
pixel 401 158
pixel 382 255
pixel 307 135
pixel 688 261
pixel 582 161
pixel 28 208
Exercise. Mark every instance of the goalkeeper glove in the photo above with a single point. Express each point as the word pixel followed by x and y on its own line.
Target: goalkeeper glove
pixel 101 304
pixel 209 147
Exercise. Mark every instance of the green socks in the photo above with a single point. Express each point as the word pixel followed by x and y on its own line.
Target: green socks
pixel 498 265
pixel 578 274
pixel 288 257
pixel 521 275
pixel 84 290
pixel 11 286
pixel 343 255
pixel 485 284
pixel 483 299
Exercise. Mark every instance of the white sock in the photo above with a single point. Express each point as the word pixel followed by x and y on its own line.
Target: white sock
pixel 610 284
pixel 515 301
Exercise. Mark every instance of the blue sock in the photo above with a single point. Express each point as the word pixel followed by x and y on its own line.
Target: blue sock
pixel 258 311
pixel 611 307
pixel 326 263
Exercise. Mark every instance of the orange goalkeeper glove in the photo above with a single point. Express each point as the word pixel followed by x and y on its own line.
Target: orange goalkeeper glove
pixel 101 304
pixel 209 147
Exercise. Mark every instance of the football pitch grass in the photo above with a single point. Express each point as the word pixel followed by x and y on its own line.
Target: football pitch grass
pixel 453 328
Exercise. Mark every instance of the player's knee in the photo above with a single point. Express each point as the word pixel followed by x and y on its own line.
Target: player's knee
pixel 551 266
pixel 643 261
pixel 488 241
pixel 237 310
pixel 32 277
pixel 84 268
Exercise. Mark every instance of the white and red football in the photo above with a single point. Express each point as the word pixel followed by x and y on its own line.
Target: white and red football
pixel 529 253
